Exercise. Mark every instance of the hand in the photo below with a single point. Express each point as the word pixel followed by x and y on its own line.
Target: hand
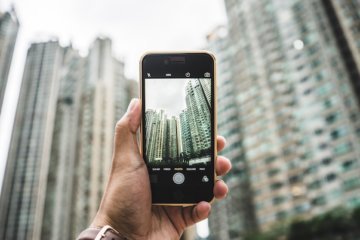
pixel 126 203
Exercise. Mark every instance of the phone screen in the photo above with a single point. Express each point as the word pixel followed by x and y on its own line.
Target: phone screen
pixel 178 126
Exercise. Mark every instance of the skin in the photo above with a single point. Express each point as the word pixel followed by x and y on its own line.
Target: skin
pixel 126 203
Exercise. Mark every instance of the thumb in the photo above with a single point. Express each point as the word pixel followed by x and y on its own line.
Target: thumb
pixel 133 114
pixel 125 131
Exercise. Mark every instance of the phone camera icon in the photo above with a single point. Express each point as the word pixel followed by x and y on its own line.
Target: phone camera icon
pixel 187 74
pixel 205 179
pixel 207 74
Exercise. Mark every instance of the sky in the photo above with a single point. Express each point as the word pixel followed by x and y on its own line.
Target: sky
pixel 167 94
pixel 135 26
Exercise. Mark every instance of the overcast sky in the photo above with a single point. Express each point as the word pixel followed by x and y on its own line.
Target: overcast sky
pixel 167 94
pixel 135 26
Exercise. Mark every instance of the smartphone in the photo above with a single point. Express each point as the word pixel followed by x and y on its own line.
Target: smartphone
pixel 178 126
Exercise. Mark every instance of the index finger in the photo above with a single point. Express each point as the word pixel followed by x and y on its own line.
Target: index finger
pixel 221 142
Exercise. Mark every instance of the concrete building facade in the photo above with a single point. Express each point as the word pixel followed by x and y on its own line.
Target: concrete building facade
pixel 295 90
pixel 61 147
pixel 9 27
pixel 24 188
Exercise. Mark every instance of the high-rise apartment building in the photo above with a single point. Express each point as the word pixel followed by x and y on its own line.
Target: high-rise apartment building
pixel 185 133
pixel 183 137
pixel 344 22
pixel 9 27
pixel 172 138
pixel 198 107
pixel 156 134
pixel 234 216
pixel 24 187
pixel 297 107
pixel 58 221
pixel 61 148
pixel 105 97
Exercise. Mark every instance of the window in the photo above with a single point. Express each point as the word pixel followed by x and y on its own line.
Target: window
pixel 281 215
pixel 288 151
pixel 318 131
pixel 319 76
pixel 270 159
pixel 325 89
pixel 276 186
pixel 348 165
pixel 312 50
pixel 315 185
pixel 299 68
pixel 305 156
pixel 339 132
pixel 273 172
pixel 307 91
pixel 331 118
pixel 330 177
pixel 323 146
pixel 354 202
pixel 343 148
pixel 326 161
pixel 294 179
pixel 310 169
pixel 354 117
pixel 318 201
pixel 328 103
pixel 278 200
pixel 301 208
pixel 304 79
pixel 315 63
pixel 352 183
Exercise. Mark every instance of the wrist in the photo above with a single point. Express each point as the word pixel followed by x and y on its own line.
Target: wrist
pixel 101 220
pixel 103 233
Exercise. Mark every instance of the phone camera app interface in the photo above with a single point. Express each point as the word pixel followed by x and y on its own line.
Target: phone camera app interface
pixel 178 134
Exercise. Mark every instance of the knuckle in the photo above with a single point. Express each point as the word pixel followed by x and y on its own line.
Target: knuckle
pixel 120 125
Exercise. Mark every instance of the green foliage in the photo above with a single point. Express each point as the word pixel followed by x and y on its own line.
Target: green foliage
pixel 277 232
pixel 339 223
pixel 356 217
pixel 335 223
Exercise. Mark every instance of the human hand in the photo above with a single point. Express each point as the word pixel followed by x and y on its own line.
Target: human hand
pixel 126 203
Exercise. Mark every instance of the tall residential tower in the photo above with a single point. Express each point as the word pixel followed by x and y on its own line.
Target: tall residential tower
pixel 105 95
pixel 61 147
pixel 294 70
pixel 9 27
pixel 24 187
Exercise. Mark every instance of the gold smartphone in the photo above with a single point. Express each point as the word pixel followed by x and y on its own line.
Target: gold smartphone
pixel 178 127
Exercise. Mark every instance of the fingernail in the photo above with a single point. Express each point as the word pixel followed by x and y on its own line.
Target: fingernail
pixel 131 105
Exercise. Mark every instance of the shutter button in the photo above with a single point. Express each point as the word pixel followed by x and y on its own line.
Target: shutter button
pixel 178 178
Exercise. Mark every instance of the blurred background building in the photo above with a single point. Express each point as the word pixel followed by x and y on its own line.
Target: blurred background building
pixel 61 148
pixel 294 78
pixel 235 215
pixel 9 27
pixel 288 105
pixel 24 188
